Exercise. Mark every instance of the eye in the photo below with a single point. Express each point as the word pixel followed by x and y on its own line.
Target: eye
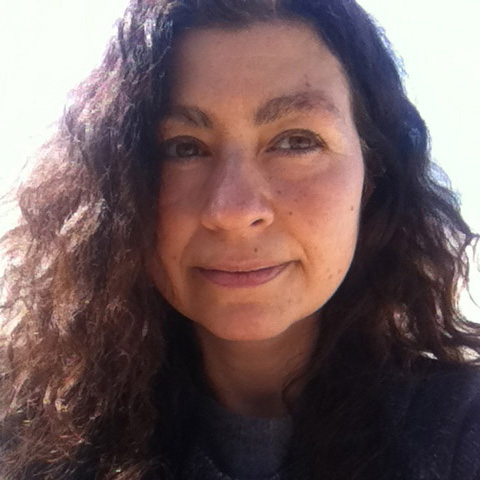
pixel 297 142
pixel 182 148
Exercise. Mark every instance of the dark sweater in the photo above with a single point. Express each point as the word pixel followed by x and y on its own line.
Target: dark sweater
pixel 437 420
pixel 439 424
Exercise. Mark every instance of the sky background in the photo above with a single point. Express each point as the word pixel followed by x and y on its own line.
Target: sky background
pixel 47 46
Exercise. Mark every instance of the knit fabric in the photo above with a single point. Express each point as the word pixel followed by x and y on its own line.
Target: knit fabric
pixel 436 422
pixel 232 446
pixel 439 426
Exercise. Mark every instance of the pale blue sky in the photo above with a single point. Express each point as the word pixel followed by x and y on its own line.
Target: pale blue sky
pixel 47 46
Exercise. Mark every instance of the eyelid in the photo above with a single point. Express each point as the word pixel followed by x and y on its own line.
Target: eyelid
pixel 320 143
pixel 179 139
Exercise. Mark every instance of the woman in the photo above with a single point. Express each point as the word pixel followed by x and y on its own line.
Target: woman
pixel 235 261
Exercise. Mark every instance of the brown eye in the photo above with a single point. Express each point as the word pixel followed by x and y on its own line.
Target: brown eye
pixel 297 142
pixel 182 148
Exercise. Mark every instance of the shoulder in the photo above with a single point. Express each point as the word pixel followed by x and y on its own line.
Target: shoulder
pixel 436 423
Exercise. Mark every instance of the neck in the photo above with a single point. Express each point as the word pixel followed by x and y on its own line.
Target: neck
pixel 249 377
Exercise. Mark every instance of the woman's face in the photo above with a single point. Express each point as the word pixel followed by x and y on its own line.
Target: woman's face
pixel 262 178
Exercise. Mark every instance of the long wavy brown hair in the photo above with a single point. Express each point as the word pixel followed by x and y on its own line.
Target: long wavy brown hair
pixel 95 364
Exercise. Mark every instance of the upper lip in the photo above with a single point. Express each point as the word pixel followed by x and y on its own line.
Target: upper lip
pixel 241 266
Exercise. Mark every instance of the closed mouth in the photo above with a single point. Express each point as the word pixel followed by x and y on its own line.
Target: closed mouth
pixel 238 277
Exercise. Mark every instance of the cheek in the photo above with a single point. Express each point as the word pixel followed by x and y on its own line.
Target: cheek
pixel 178 205
pixel 173 233
pixel 179 186
pixel 329 198
pixel 322 212
pixel 172 237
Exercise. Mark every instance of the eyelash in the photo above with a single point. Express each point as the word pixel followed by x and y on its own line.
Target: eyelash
pixel 318 143
pixel 175 142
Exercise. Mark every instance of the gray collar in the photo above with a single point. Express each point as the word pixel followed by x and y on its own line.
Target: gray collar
pixel 240 446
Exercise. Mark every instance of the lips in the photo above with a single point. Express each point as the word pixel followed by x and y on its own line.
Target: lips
pixel 243 278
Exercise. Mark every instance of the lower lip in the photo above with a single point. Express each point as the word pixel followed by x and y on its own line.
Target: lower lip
pixel 242 279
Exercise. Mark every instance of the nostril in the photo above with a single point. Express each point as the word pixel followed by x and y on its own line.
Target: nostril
pixel 257 222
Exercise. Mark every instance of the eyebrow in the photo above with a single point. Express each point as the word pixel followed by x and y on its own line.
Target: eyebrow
pixel 192 116
pixel 284 105
pixel 272 110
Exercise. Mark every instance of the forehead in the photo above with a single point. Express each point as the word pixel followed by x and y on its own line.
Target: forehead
pixel 263 60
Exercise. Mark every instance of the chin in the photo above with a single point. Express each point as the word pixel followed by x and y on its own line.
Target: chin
pixel 246 323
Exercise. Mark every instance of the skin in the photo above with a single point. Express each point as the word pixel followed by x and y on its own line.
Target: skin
pixel 247 183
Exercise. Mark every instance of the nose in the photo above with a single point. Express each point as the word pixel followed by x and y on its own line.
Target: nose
pixel 237 199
